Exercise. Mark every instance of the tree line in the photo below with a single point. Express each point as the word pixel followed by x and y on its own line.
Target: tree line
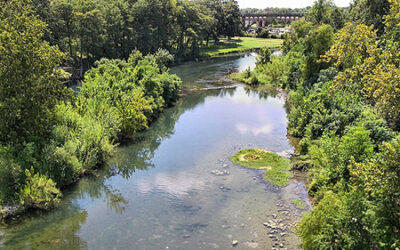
pixel 87 30
pixel 343 81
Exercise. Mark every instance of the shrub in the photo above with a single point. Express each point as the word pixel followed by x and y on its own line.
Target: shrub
pixel 39 191
pixel 334 224
pixel 133 91
pixel 80 144
pixel 254 79
pixel 264 56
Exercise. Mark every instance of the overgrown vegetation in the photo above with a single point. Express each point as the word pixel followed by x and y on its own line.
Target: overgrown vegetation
pixel 276 166
pixel 49 136
pixel 343 82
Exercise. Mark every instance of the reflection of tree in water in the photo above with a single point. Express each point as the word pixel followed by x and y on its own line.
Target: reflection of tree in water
pixel 115 200
pixel 54 230
pixel 263 91
pixel 139 154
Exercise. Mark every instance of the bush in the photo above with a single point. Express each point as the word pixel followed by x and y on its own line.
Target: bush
pixel 80 144
pixel 331 156
pixel 133 91
pixel 335 223
pixel 264 56
pixel 318 110
pixel 39 191
pixel 254 79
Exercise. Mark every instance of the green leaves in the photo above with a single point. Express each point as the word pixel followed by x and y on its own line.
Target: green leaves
pixel 264 55
pixel 39 191
pixel 316 44
pixel 133 91
pixel 29 76
pixel 346 121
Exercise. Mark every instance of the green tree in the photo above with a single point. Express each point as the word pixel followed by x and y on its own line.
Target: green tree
pixel 29 73
pixel 378 179
pixel 299 30
pixel 264 56
pixel 320 12
pixel 232 21
pixel 369 12
pixel 316 44
pixel 337 18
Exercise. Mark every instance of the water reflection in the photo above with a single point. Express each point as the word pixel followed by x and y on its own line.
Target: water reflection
pixel 177 185
pixel 245 128
pixel 138 155
pixel 54 232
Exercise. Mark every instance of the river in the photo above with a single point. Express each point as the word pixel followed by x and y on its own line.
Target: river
pixel 162 191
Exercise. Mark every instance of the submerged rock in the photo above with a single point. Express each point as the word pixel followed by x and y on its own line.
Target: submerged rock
pixel 217 172
pixel 235 242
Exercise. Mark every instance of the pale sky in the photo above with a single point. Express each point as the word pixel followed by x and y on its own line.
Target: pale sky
pixel 262 4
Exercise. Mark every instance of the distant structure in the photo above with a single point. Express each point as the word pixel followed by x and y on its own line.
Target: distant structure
pixel 263 20
pixel 278 31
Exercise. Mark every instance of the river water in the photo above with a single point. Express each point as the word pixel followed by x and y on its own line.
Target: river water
pixel 162 191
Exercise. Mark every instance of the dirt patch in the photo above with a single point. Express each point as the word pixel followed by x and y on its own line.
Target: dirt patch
pixel 250 157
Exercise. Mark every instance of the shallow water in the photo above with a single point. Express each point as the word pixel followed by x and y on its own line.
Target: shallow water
pixel 160 192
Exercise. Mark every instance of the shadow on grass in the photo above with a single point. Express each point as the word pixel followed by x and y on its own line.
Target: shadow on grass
pixel 232 44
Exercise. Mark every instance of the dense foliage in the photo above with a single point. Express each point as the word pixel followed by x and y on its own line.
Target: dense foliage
pixel 344 105
pixel 29 85
pixel 49 137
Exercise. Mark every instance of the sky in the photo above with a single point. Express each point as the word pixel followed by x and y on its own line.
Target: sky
pixel 261 4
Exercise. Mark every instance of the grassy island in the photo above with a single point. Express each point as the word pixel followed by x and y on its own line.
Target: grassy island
pixel 276 166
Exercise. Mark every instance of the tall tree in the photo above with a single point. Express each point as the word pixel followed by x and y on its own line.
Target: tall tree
pixel 370 12
pixel 231 25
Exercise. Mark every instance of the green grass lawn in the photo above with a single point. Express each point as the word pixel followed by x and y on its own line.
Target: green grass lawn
pixel 239 44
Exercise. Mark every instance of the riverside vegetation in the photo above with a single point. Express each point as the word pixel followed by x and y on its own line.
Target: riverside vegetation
pixel 343 82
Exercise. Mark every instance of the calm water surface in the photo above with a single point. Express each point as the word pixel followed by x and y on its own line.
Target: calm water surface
pixel 160 192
